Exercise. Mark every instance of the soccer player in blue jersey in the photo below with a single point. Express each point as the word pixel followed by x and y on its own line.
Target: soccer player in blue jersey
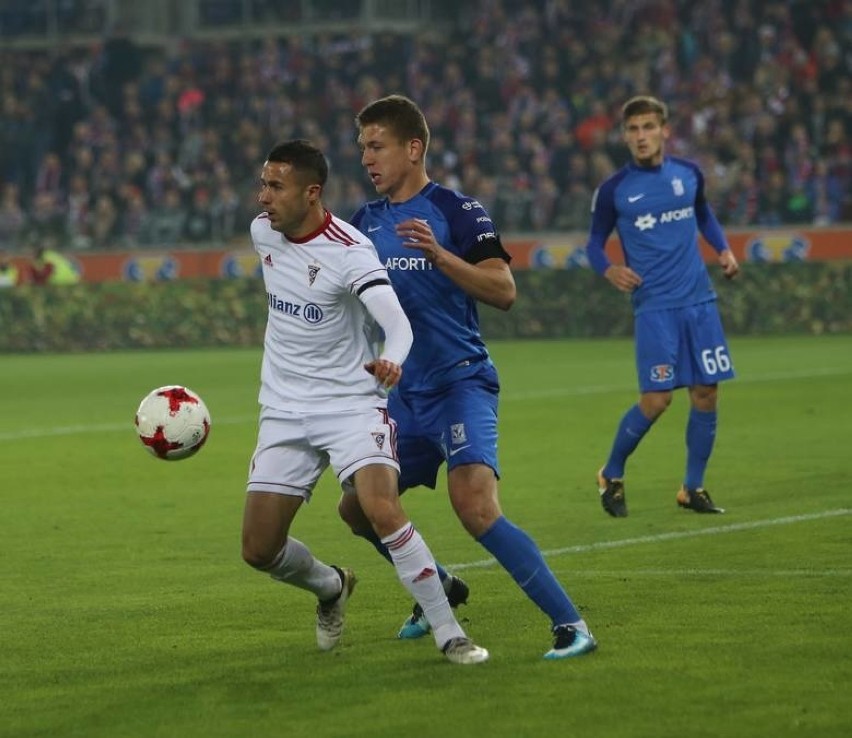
pixel 443 254
pixel 657 205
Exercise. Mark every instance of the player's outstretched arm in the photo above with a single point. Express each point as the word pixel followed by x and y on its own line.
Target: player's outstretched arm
pixel 489 281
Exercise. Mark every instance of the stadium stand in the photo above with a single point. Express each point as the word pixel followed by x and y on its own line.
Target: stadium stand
pixel 128 143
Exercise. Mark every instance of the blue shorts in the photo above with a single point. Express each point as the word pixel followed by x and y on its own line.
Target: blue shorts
pixel 456 424
pixel 682 347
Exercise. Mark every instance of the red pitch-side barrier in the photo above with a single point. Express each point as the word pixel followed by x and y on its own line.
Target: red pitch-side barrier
pixel 551 252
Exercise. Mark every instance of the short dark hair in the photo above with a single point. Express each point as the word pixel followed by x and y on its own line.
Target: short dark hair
pixel 304 157
pixel 399 113
pixel 643 104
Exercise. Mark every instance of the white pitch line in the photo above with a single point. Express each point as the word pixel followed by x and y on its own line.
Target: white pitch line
pixel 71 430
pixel 674 535
pixel 567 391
pixel 603 389
pixel 745 573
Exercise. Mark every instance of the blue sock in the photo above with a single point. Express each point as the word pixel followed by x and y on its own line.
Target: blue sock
pixel 700 435
pixel 518 555
pixel 633 427
pixel 383 550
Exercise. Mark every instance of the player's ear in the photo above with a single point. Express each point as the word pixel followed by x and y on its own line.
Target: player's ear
pixel 314 193
pixel 415 150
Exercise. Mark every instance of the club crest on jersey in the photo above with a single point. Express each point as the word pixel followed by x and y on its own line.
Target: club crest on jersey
pixel 662 373
pixel 379 438
pixel 458 434
pixel 267 260
pixel 677 186
pixel 313 270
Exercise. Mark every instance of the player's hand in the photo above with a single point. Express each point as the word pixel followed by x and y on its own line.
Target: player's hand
pixel 417 234
pixel 623 277
pixel 730 266
pixel 386 372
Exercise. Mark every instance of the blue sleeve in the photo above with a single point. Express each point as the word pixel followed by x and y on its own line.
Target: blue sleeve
pixel 706 219
pixel 356 219
pixel 473 234
pixel 604 219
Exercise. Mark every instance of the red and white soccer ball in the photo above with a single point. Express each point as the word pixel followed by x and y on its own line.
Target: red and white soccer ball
pixel 173 422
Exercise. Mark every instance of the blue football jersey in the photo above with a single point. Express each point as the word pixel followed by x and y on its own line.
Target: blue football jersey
pixel 658 213
pixel 444 319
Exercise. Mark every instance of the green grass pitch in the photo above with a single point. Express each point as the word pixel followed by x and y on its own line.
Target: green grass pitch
pixel 127 612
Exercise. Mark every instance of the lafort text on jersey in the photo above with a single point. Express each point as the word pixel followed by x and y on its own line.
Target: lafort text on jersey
pixel 677 214
pixel 310 312
pixel 644 222
pixel 408 263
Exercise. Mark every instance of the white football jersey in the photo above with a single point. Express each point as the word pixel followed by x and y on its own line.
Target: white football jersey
pixel 319 335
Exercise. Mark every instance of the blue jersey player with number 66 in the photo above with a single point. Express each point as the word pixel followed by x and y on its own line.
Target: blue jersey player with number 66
pixel 656 203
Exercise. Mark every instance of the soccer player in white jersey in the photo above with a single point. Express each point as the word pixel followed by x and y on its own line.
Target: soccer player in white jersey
pixel 323 398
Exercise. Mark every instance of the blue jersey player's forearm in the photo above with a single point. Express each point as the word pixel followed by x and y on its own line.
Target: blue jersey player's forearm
pixel 707 223
pixel 603 222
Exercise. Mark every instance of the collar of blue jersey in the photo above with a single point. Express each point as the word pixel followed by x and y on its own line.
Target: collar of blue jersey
pixel 636 168
pixel 430 185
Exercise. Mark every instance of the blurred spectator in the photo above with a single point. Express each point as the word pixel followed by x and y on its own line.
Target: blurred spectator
pixel 573 208
pixel 742 201
pixel 772 202
pixel 225 211
pixel 8 271
pixel 592 130
pixel 12 217
pixel 49 176
pixel 79 212
pixel 47 219
pixel 198 227
pixel 104 222
pixel 134 215
pixel 49 266
pixel 523 97
pixel 166 221
pixel 825 191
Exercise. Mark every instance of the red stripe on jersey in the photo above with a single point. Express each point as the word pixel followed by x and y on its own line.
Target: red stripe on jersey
pixel 336 233
pixel 312 236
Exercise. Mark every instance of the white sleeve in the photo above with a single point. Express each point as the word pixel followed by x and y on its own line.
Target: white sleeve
pixel 383 304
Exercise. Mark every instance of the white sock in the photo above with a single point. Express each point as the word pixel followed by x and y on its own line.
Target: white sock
pixel 418 573
pixel 296 565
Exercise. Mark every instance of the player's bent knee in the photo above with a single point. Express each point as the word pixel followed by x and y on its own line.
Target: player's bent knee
pixel 259 557
pixel 254 561
pixel 476 517
pixel 654 404
pixel 704 396
pixel 353 516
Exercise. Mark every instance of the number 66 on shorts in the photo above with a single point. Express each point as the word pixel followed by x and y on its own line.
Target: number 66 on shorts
pixel 682 347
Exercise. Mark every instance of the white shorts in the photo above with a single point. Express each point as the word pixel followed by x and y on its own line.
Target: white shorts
pixel 294 449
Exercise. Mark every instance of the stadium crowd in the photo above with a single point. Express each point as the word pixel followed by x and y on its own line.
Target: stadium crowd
pixel 121 146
